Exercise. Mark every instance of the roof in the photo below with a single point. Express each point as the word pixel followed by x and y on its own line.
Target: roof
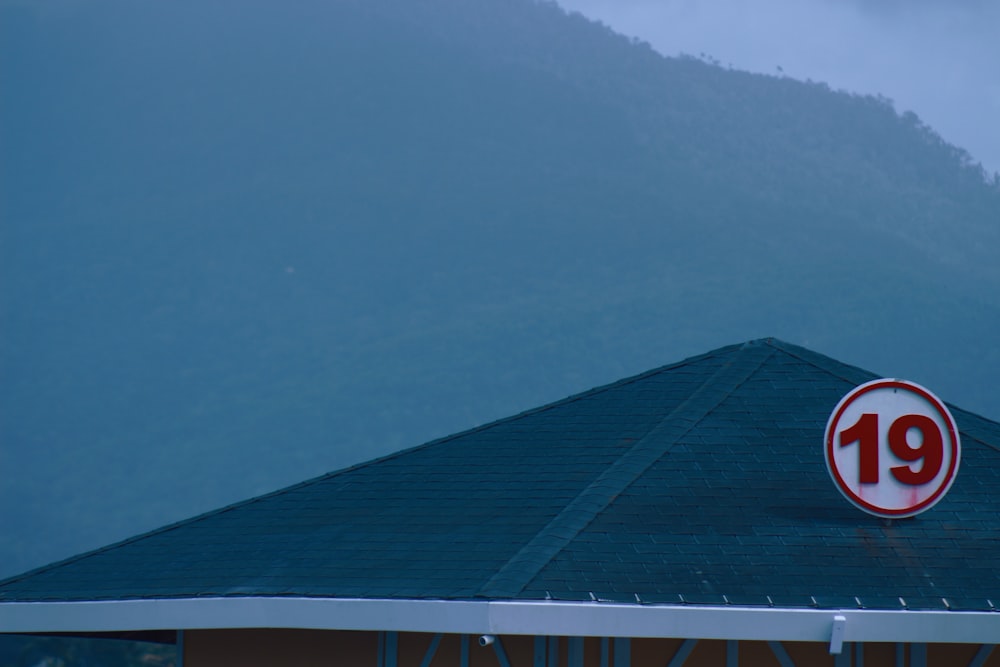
pixel 699 483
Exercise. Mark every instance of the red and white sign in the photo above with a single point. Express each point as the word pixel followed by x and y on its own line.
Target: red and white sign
pixel 892 448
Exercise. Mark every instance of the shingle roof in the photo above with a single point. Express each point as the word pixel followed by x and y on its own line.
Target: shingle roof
pixel 699 482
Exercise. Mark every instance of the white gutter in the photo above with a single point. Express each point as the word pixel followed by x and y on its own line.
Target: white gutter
pixel 592 619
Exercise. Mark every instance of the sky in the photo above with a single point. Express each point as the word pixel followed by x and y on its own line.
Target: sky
pixel 937 58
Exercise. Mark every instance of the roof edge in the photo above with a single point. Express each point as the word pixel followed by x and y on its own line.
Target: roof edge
pixel 501 617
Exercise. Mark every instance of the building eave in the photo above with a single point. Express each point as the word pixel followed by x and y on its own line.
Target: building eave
pixel 502 618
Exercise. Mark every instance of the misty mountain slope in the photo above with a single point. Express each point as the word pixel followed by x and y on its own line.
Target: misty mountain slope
pixel 245 244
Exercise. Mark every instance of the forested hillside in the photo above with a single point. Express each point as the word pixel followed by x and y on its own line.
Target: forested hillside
pixel 247 243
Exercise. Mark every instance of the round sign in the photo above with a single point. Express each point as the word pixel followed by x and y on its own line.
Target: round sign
pixel 892 448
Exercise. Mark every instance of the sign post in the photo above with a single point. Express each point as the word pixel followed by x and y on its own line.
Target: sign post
pixel 892 448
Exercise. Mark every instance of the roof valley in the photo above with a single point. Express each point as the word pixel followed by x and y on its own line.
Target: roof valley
pixel 524 566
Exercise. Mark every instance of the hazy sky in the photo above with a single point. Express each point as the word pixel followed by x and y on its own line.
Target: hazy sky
pixel 938 58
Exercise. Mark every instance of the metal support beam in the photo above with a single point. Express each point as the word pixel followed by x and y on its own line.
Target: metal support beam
pixel 464 657
pixel 391 649
pixel 540 647
pixel 574 654
pixel 843 659
pixel 180 648
pixel 605 652
pixel 781 654
pixel 859 654
pixel 732 653
pixel 431 650
pixel 682 653
pixel 623 652
pixel 982 655
pixel 918 655
pixel 501 654
pixel 900 655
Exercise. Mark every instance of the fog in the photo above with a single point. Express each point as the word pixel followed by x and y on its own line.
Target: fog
pixel 243 248
pixel 937 58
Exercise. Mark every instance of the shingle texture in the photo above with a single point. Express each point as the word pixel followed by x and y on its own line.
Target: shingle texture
pixel 702 482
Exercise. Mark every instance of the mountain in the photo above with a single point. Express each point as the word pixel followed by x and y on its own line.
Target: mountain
pixel 247 243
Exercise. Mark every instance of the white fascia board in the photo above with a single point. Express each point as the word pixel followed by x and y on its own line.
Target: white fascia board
pixel 593 619
pixel 743 623
pixel 245 612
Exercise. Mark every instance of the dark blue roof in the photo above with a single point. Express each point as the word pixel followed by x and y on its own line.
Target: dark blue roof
pixel 700 482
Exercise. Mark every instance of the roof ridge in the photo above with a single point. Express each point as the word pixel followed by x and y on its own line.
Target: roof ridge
pixel 857 375
pixel 524 565
pixel 861 375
